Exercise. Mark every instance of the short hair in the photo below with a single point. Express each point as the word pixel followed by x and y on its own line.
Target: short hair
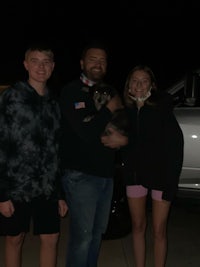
pixel 94 44
pixel 41 47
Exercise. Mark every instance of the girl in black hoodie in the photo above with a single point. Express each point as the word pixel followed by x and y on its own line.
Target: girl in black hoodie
pixel 152 160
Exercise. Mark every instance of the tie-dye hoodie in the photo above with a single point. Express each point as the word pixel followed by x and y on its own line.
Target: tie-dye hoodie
pixel 29 133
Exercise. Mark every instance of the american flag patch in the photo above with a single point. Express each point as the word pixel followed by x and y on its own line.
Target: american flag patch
pixel 79 105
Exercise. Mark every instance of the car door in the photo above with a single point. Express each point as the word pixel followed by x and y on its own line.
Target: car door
pixel 189 120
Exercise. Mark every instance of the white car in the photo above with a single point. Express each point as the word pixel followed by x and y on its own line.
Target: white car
pixel 186 94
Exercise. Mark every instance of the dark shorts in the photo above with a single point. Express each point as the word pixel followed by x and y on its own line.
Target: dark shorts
pixel 43 213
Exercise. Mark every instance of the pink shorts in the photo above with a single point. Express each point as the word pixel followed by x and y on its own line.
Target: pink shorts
pixel 136 191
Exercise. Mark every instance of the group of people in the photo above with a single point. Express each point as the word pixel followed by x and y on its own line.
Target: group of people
pixel 52 162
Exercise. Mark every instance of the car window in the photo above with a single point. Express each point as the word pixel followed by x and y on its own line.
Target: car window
pixel 186 92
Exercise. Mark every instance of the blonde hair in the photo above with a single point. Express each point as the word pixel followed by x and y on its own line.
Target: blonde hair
pixel 41 48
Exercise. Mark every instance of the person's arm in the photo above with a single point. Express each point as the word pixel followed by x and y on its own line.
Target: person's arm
pixel 6 205
pixel 5 119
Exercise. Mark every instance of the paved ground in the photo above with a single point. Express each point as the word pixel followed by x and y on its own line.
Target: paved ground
pixel 183 236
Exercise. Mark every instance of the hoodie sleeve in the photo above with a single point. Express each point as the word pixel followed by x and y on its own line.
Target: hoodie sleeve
pixel 4 144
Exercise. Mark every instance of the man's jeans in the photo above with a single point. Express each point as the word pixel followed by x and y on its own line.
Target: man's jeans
pixel 89 201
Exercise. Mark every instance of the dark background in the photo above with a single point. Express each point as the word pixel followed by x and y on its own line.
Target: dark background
pixel 163 35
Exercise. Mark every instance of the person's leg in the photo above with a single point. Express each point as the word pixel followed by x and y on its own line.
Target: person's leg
pixel 48 250
pixel 137 205
pixel 160 212
pixel 104 191
pixel 46 223
pixel 13 250
pixel 82 194
pixel 14 229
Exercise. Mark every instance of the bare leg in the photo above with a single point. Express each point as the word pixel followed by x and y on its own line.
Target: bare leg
pixel 137 208
pixel 160 211
pixel 13 250
pixel 48 250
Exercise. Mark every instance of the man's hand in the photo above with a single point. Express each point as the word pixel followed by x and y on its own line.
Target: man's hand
pixel 114 139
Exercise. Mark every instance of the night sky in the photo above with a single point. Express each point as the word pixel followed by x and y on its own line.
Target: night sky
pixel 164 36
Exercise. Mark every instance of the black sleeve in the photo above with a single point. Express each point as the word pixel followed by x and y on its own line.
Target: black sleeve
pixel 4 144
